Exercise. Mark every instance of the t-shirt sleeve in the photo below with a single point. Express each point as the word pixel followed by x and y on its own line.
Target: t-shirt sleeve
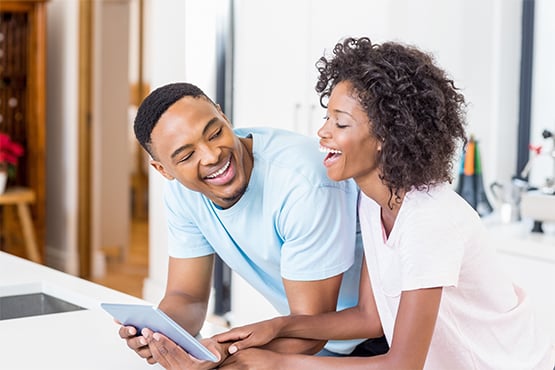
pixel 432 252
pixel 185 240
pixel 319 232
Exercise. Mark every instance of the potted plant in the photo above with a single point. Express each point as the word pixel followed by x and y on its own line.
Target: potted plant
pixel 10 151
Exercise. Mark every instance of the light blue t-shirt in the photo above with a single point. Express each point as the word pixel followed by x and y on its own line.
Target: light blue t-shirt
pixel 292 222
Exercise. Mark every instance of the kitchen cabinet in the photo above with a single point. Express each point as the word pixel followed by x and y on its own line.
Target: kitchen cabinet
pixel 23 98
pixel 276 47
pixel 529 259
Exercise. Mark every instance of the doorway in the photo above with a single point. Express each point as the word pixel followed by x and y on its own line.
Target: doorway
pixel 113 169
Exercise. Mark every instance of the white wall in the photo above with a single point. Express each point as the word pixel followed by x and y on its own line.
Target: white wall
pixel 61 135
pixel 478 43
pixel 543 90
pixel 110 198
pixel 110 148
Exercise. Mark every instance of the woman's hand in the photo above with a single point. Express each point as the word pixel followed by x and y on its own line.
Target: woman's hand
pixel 173 357
pixel 252 335
pixel 254 359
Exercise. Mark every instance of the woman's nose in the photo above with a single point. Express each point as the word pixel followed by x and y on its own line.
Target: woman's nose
pixel 323 131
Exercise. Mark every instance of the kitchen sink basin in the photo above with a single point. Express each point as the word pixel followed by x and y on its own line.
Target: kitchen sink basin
pixel 33 304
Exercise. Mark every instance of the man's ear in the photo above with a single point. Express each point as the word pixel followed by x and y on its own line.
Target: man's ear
pixel 160 168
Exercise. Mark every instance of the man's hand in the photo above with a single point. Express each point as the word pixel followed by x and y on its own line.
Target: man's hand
pixel 172 357
pixel 136 342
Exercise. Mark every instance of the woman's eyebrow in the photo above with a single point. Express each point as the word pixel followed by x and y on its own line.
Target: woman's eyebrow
pixel 339 111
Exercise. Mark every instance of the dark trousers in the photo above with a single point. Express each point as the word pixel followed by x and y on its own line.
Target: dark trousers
pixel 371 347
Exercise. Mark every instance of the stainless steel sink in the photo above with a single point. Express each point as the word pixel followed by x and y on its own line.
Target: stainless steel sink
pixel 33 304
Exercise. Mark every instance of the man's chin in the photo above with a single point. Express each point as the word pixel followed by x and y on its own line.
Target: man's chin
pixel 231 200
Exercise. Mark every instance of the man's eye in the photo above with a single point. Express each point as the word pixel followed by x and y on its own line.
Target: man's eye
pixel 216 134
pixel 186 157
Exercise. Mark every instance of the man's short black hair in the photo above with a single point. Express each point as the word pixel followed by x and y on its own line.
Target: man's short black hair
pixel 156 103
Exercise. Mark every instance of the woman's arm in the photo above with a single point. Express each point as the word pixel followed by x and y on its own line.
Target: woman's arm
pixel 412 335
pixel 414 327
pixel 361 321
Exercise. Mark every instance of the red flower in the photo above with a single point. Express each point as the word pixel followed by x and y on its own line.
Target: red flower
pixel 10 151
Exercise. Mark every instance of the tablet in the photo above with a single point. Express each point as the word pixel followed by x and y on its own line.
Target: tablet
pixel 146 316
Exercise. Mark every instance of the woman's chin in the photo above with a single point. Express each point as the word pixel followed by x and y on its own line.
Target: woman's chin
pixel 334 175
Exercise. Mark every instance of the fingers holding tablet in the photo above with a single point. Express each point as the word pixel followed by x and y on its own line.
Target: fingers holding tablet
pixel 138 317
pixel 170 355
pixel 135 341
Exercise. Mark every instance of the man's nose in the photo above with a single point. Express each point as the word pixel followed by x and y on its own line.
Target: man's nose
pixel 210 155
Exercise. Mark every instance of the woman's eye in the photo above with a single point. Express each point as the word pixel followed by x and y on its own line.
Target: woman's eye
pixel 337 124
pixel 216 134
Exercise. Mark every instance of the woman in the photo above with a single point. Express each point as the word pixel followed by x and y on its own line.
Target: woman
pixel 431 284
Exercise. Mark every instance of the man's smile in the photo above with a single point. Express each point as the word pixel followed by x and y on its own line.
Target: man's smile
pixel 220 171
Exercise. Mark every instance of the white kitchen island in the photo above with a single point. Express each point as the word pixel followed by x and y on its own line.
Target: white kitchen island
pixel 529 258
pixel 76 340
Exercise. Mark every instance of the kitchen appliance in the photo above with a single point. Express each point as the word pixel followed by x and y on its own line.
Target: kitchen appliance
pixel 508 197
pixel 538 204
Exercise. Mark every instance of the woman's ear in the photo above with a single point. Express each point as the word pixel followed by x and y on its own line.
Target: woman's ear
pixel 381 143
pixel 160 168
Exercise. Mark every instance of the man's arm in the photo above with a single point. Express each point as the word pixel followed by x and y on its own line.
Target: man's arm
pixel 185 300
pixel 187 291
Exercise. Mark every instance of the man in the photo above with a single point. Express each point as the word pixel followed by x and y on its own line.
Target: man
pixel 261 200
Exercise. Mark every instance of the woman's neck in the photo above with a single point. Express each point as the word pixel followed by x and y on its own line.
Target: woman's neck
pixel 389 202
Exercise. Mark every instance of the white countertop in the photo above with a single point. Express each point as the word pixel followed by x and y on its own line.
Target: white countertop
pixel 77 340
pixel 517 239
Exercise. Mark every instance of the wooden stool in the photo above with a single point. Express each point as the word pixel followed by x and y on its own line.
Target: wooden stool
pixel 22 197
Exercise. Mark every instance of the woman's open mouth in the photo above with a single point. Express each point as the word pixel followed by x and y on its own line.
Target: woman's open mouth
pixel 332 155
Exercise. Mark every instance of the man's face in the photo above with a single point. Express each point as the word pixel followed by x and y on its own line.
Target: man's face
pixel 194 143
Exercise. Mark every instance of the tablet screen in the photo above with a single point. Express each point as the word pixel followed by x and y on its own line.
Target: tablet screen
pixel 146 316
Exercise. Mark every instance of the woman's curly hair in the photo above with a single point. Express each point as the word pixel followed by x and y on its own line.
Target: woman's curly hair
pixel 414 108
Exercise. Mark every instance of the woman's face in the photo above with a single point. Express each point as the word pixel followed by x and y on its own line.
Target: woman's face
pixel 346 137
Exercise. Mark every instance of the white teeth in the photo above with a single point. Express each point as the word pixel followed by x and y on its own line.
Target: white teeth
pixel 220 171
pixel 328 150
